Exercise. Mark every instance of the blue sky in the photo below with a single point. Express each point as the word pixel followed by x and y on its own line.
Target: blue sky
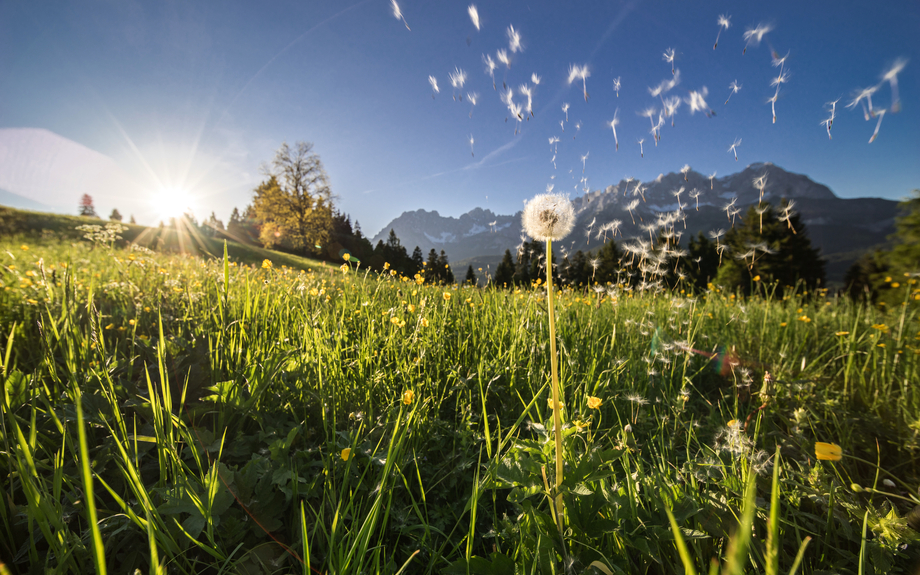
pixel 197 96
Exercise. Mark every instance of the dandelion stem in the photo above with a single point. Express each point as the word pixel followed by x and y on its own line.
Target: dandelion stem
pixel 557 405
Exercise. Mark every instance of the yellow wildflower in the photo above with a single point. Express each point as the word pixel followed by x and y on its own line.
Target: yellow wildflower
pixel 552 405
pixel 394 320
pixel 266 264
pixel 594 402
pixel 842 333
pixel 756 278
pixel 446 296
pixel 732 423
pixel 895 284
pixel 386 265
pixel 24 247
pixel 424 322
pixel 408 397
pixel 346 256
pixel 411 308
pixel 346 453
pixel 828 451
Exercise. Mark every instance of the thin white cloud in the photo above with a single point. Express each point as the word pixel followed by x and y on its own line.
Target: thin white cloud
pixel 473 166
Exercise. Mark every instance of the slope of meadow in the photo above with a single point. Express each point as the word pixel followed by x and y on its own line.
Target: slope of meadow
pixel 259 419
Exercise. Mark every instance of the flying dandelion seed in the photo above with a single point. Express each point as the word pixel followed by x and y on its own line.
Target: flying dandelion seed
pixel 778 81
pixel 779 62
pixel 711 178
pixel 761 209
pixel 829 123
pixel 760 183
pixel 649 113
pixel 633 204
pixel 577 128
pixel 723 22
pixel 641 150
pixel 582 72
pixel 891 76
pixel 527 91
pixel 434 85
pixel 787 215
pixel 514 40
pixel 880 114
pixel 639 189
pixel 474 15
pixel 670 107
pixel 668 57
pixel 503 58
pixel 457 80
pixel 471 146
pixel 864 94
pixel 584 164
pixel 616 86
pixel 535 79
pixel 753 36
pixel 472 98
pixel 398 14
pixel 734 148
pixel 697 102
pixel 734 87
pixel 490 67
pixel 685 170
pixel 613 125
pixel 665 85
pixel 729 207
pixel 565 109
pixel 695 195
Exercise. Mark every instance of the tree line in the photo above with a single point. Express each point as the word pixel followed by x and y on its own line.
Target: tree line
pixel 769 247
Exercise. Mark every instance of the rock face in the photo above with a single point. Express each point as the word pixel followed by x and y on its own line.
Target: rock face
pixel 842 228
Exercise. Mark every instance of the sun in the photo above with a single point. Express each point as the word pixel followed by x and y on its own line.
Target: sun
pixel 172 202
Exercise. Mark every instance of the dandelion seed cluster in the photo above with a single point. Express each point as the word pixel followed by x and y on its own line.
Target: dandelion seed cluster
pixel 548 217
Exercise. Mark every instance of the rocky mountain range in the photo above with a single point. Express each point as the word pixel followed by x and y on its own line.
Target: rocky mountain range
pixel 842 228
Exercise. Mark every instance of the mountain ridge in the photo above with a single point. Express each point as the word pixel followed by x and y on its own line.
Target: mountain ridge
pixel 838 226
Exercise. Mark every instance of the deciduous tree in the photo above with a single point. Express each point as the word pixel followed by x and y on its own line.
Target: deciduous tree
pixel 294 205
pixel 86 207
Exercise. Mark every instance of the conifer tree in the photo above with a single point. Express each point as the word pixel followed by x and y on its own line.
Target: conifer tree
pixel 774 250
pixel 470 278
pixel 115 216
pixel 418 260
pixel 448 274
pixel 504 273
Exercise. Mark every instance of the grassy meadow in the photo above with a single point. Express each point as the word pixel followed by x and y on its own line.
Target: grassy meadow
pixel 164 413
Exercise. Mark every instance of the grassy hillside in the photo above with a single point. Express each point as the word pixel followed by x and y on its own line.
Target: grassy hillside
pixel 190 414
pixel 169 240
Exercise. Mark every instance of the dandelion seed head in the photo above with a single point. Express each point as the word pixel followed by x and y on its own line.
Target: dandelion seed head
pixel 548 217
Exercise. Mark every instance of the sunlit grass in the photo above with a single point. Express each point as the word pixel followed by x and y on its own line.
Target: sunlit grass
pixel 218 401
